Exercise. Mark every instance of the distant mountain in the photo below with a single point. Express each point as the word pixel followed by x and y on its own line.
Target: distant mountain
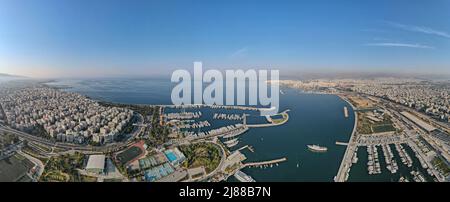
pixel 10 75
pixel 360 75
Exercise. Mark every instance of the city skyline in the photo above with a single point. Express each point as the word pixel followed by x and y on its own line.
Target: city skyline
pixel 112 38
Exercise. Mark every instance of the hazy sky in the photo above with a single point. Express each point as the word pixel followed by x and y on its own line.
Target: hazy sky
pixel 72 38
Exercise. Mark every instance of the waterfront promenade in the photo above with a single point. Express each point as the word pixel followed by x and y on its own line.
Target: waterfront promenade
pixel 346 162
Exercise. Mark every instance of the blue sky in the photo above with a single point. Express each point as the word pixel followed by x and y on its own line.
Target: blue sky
pixel 73 38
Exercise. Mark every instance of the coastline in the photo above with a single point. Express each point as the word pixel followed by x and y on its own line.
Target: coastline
pixel 344 167
pixel 283 168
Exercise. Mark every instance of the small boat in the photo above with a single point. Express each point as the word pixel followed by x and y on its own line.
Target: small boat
pixel 230 141
pixel 297 165
pixel 232 144
pixel 317 148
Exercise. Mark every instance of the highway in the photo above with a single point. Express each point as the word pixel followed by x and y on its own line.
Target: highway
pixel 39 164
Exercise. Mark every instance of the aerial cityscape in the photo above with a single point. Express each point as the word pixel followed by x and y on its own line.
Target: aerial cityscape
pixel 90 97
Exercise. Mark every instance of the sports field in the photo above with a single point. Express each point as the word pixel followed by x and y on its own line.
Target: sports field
pixel 129 154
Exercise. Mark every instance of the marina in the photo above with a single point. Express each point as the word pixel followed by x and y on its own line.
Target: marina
pixel 405 172
pixel 373 165
pixel 233 117
pixel 194 125
pixel 226 132
pixel 312 121
pixel 403 179
pixel 406 159
pixel 184 115
pixel 418 177
pixel 391 164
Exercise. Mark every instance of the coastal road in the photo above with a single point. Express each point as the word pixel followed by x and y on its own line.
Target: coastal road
pixel 348 155
pixel 35 161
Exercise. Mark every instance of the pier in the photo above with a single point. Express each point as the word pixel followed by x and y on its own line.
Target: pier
pixel 284 113
pixel 225 132
pixel 230 117
pixel 341 143
pixel 250 148
pixel 184 115
pixel 346 163
pixel 264 163
pixel 185 106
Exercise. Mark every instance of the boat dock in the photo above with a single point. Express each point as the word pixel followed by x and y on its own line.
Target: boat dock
pixel 345 112
pixel 184 115
pixel 231 143
pixel 250 148
pixel 346 163
pixel 341 143
pixel 271 123
pixel 264 163
pixel 231 117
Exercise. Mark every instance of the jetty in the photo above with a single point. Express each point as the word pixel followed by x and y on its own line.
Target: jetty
pixel 225 132
pixel 183 115
pixel 264 163
pixel 346 163
pixel 341 143
pixel 231 117
pixel 272 123
pixel 250 148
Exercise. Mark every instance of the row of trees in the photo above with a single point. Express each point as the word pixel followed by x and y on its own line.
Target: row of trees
pixel 157 134
pixel 7 139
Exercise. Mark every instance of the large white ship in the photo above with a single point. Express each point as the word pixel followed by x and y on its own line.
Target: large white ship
pixel 242 177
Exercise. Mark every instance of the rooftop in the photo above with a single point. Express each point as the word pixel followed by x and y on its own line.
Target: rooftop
pixel 96 162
